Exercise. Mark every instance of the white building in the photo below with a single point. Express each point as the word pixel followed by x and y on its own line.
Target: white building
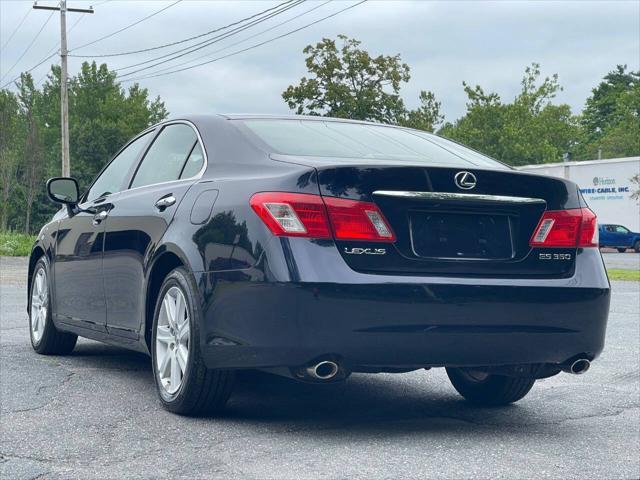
pixel 605 184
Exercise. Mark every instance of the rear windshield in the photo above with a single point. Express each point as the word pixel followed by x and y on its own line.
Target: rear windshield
pixel 317 138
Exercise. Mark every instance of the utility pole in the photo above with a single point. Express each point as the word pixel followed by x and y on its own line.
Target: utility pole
pixel 64 93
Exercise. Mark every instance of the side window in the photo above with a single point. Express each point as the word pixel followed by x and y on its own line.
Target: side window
pixel 112 178
pixel 194 162
pixel 621 229
pixel 166 156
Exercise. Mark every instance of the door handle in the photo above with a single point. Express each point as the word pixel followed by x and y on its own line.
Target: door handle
pixel 165 202
pixel 99 217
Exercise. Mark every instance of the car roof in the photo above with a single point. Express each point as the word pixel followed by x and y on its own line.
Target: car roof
pixel 315 118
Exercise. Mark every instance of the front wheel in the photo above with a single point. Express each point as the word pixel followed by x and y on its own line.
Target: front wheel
pixel 184 383
pixel 636 246
pixel 621 250
pixel 486 389
pixel 46 339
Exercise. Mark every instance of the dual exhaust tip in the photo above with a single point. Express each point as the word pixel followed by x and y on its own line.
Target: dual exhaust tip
pixel 328 369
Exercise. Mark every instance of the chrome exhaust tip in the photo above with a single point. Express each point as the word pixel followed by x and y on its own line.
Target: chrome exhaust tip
pixel 578 367
pixel 324 370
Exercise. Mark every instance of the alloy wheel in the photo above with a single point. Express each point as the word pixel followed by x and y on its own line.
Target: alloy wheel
pixel 39 305
pixel 172 340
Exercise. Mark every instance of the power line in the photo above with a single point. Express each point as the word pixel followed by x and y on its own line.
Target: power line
pixel 31 69
pixel 223 36
pixel 55 49
pixel 131 52
pixel 16 29
pixel 70 30
pixel 29 47
pixel 205 43
pixel 53 52
pixel 64 80
pixel 248 48
pixel 128 26
pixel 75 23
pixel 243 40
pixel 218 29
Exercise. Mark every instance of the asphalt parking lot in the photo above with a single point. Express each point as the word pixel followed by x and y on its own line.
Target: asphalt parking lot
pixel 94 414
pixel 625 261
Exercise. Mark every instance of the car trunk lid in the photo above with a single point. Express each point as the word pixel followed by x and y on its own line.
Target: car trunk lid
pixel 446 227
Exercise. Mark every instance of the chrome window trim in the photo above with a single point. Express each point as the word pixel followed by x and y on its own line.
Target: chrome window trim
pixel 457 196
pixel 162 126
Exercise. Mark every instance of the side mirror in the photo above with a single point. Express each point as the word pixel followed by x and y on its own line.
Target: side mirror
pixel 63 190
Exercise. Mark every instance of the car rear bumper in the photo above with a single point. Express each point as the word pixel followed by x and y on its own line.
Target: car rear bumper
pixel 368 327
pixel 308 305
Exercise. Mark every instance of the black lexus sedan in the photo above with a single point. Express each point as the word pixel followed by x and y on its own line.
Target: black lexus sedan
pixel 314 248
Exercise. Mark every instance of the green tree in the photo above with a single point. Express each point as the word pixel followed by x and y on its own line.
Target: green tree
pixel 528 130
pixel 611 117
pixel 602 108
pixel 102 117
pixel 347 82
pixel 636 181
pixel 10 152
pixel 32 172
pixel 427 116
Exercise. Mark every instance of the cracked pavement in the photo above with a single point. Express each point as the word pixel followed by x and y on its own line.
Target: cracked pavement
pixel 94 414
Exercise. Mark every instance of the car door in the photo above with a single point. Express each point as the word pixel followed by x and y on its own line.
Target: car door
pixel 623 236
pixel 607 237
pixel 139 217
pixel 77 266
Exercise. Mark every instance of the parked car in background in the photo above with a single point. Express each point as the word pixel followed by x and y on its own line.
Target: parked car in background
pixel 619 237
pixel 314 248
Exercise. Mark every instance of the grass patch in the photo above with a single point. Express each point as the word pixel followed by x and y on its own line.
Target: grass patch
pixel 15 244
pixel 619 274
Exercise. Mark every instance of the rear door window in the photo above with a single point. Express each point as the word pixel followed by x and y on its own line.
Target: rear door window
pixel 194 163
pixel 166 157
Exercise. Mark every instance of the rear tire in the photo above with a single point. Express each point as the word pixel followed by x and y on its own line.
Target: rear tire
pixel 621 250
pixel 46 339
pixel 636 246
pixel 487 389
pixel 192 389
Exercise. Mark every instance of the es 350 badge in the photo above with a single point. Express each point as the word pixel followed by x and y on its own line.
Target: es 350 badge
pixel 554 256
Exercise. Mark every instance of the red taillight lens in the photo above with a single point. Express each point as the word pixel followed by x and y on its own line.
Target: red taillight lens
pixel 566 228
pixel 313 216
pixel 352 220
pixel 589 236
pixel 292 214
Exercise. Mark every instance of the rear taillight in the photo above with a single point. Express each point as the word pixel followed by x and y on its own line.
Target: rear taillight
pixel 353 220
pixel 313 216
pixel 292 214
pixel 566 228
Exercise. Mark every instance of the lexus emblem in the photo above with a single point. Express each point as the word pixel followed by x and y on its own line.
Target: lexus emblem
pixel 465 180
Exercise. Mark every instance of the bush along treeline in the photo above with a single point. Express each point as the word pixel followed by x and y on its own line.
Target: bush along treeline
pixel 102 117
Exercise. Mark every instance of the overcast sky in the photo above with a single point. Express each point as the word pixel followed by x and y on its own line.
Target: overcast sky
pixel 444 43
